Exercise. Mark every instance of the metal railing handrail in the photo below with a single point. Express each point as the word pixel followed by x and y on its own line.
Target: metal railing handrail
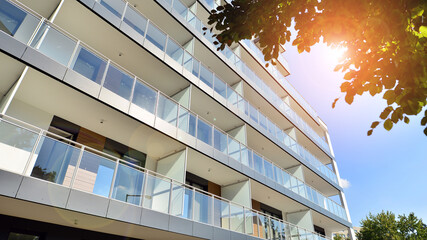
pixel 78 42
pixel 11 120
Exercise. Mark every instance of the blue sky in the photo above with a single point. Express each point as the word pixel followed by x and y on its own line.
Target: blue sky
pixel 386 171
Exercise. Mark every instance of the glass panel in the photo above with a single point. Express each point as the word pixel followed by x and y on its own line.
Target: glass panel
pixel 202 208
pixel 192 125
pixel 294 184
pixel 275 229
pixel 268 169
pixel 182 202
pixel 233 149
pixel 175 51
pixel 258 164
pixel 262 121
pixel 17 143
pixel 278 176
pixel 286 180
pixel 294 233
pixel 94 174
pixel 128 184
pixel 265 228
pixel 167 110
pixel 204 132
pixel 246 156
pixel 89 65
pixel 206 76
pixel 301 189
pixel 231 96
pixel 144 97
pixel 183 121
pixel 157 194
pixel 251 223
pixel 54 44
pixel 17 22
pixel 220 87
pixel 242 104
pixel 220 141
pixel 180 8
pixel 56 161
pixel 194 21
pixel 114 6
pixel 135 20
pixel 309 193
pixel 221 214
pixel 253 113
pixel 118 82
pixel 236 218
pixel 156 37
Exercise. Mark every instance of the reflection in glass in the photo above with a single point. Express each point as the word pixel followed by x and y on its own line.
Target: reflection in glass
pixel 128 184
pixel 144 97
pixel 118 82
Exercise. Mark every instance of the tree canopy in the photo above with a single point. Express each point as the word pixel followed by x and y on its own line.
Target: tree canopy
pixel 385 226
pixel 386 44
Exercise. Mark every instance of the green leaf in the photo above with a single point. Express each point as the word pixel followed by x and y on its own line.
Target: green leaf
pixel 370 132
pixel 423 121
pixel 388 124
pixel 375 124
pixel 406 119
pixel 425 131
pixel 423 31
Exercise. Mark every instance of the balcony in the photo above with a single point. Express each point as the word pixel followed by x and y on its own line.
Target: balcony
pixel 100 77
pixel 186 14
pixel 40 154
pixel 199 74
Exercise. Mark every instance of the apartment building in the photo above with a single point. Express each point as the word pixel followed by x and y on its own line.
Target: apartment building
pixel 120 120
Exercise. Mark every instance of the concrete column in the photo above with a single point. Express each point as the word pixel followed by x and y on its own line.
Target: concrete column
pixel 301 219
pixel 7 98
pixel 239 133
pixel 173 166
pixel 183 97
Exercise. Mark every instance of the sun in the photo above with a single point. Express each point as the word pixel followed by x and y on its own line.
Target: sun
pixel 336 54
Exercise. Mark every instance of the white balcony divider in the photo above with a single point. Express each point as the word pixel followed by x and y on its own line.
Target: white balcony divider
pixel 58 160
pixel 150 103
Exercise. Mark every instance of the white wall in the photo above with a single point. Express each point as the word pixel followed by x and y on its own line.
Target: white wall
pixel 29 114
pixel 173 166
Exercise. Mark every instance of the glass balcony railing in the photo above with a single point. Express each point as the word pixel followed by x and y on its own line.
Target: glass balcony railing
pixel 141 100
pixel 178 6
pixel 139 23
pixel 40 154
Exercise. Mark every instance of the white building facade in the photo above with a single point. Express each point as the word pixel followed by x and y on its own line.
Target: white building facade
pixel 120 120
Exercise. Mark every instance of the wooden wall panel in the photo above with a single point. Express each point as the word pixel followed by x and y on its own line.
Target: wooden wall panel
pixel 214 188
pixel 91 139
